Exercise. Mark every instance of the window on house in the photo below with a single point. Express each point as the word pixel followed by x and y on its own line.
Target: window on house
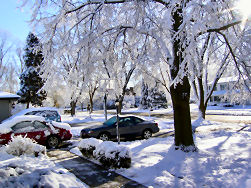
pixel 217 99
pixel 222 87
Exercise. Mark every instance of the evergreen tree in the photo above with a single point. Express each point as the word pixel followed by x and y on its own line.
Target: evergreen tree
pixel 144 96
pixel 30 80
pixel 157 98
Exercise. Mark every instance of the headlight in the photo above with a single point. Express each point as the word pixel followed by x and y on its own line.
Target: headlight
pixel 89 132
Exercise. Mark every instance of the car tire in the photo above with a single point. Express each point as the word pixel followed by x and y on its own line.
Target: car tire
pixel 53 142
pixel 104 137
pixel 147 134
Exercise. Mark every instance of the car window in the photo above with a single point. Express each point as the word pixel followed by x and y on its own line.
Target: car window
pixel 24 126
pixel 137 120
pixel 40 125
pixel 111 121
pixel 47 114
pixel 31 113
pixel 126 121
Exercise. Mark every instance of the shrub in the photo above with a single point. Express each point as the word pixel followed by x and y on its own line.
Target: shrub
pixel 110 154
pixel 24 146
pixel 87 146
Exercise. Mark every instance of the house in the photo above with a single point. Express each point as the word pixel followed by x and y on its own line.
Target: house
pixel 223 88
pixel 6 102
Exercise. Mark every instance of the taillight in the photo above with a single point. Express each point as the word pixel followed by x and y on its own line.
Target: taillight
pixel 156 124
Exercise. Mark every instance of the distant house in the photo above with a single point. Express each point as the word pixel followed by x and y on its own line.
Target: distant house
pixel 223 86
pixel 6 102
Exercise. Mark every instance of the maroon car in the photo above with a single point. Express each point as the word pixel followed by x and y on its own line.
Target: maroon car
pixel 50 134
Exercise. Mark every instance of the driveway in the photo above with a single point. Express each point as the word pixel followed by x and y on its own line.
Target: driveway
pixel 92 174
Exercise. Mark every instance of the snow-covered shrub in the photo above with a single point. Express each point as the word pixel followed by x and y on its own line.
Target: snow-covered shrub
pixel 110 154
pixel 24 146
pixel 87 146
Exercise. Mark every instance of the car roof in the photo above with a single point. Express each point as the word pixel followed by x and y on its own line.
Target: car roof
pixel 5 127
pixel 23 112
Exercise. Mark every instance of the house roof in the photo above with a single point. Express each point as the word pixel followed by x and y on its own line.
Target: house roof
pixel 6 95
pixel 227 79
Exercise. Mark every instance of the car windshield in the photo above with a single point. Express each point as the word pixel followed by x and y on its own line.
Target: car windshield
pixel 111 121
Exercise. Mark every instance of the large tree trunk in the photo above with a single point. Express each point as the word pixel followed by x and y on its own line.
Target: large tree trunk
pixel 73 108
pixel 180 92
pixel 182 119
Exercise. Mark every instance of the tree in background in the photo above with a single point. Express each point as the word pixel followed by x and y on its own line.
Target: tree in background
pixel 30 81
pixel 144 96
pixel 8 66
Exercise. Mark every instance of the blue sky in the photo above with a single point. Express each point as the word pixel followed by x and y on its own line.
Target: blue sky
pixel 13 22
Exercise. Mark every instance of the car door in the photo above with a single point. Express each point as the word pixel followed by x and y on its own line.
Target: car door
pixel 5 138
pixel 28 129
pixel 40 132
pixel 136 127
pixel 125 125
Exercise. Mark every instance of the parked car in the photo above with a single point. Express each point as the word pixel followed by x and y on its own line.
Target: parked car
pixel 50 134
pixel 128 126
pixel 50 114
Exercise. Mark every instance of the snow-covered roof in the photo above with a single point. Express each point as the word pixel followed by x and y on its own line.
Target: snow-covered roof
pixel 227 79
pixel 6 95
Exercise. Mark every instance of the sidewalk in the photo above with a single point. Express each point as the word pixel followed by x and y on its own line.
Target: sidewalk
pixel 90 173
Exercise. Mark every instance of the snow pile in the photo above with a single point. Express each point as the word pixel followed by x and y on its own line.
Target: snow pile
pixel 28 171
pixel 200 122
pixel 24 146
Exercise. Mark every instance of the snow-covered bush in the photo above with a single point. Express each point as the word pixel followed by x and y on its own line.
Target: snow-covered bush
pixel 87 146
pixel 24 146
pixel 107 153
pixel 110 154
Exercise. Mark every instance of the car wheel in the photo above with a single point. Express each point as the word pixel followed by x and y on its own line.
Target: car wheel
pixel 147 134
pixel 104 136
pixel 53 142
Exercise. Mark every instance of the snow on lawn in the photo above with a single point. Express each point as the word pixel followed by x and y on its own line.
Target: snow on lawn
pixel 223 159
pixel 28 171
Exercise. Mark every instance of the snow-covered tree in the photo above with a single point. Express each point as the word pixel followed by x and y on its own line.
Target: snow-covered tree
pixel 30 81
pixel 144 96
pixel 8 67
pixel 170 30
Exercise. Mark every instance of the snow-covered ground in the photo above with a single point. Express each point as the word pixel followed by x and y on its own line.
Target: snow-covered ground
pixel 223 158
pixel 30 171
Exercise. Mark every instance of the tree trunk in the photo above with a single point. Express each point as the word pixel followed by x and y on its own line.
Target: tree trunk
pixel 182 119
pixel 120 106
pixel 28 105
pixel 202 106
pixel 91 104
pixel 180 93
pixel 73 108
